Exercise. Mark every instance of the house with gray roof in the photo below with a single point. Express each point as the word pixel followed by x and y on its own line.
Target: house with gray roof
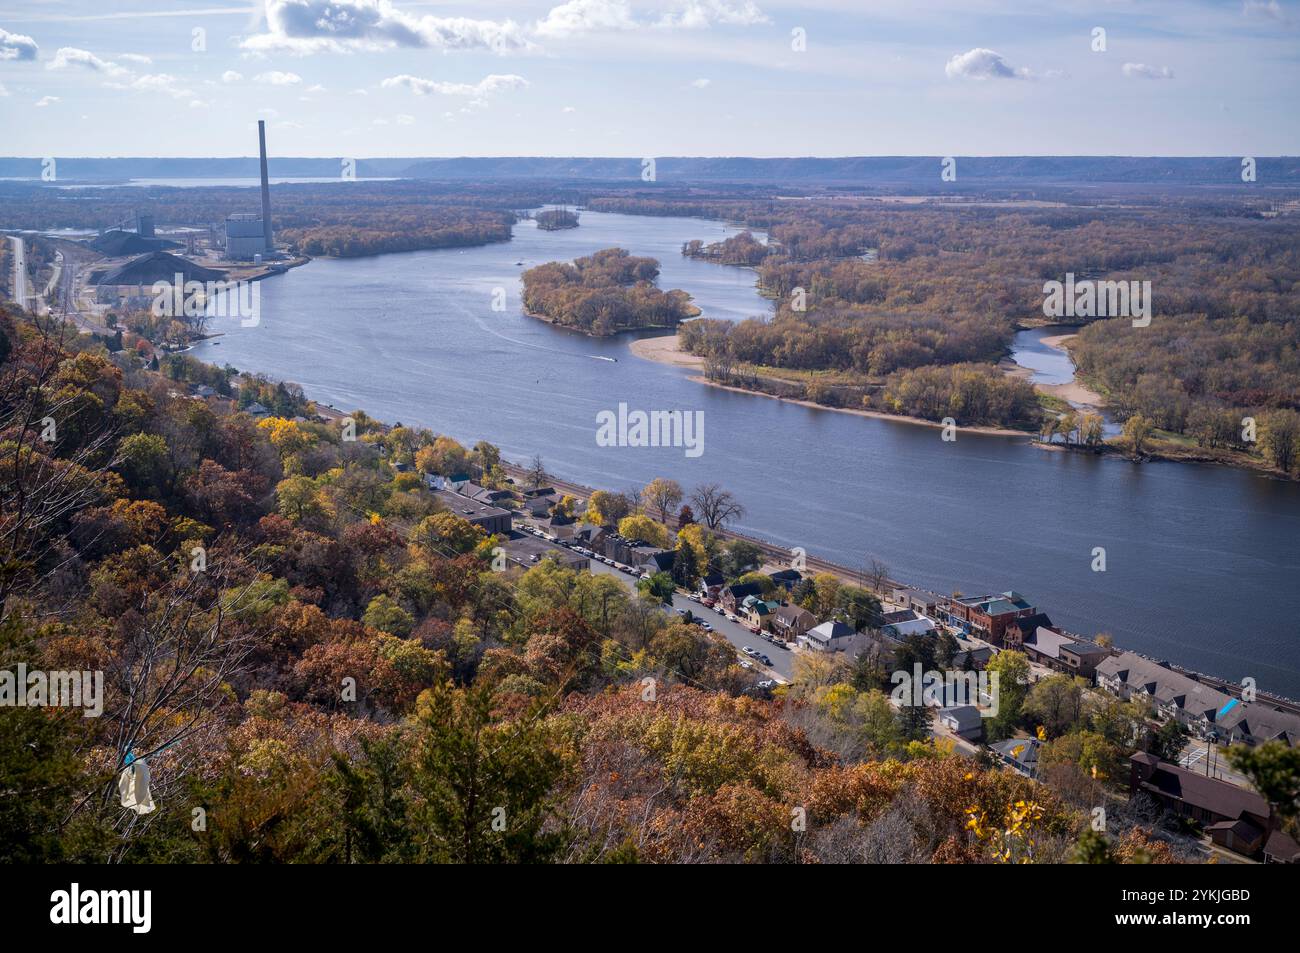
pixel 964 721
pixel 492 519
pixel 828 637
pixel 1018 754
pixel 1064 653
pixel 1202 708
pixel 790 622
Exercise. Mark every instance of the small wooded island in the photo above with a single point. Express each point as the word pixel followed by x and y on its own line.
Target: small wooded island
pixel 553 219
pixel 604 293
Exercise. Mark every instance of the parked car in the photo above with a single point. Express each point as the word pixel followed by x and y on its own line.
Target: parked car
pixel 749 651
pixel 747 664
pixel 765 660
pixel 767 683
pixel 705 626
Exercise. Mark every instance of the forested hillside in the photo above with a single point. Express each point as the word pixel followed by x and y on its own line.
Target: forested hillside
pixel 320 664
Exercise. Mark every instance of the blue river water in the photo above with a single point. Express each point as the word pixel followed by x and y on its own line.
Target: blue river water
pixel 1202 562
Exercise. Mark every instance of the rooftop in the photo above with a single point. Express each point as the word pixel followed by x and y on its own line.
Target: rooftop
pixel 466 507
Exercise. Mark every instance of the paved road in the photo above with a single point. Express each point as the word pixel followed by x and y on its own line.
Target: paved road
pixel 733 632
pixel 1207 759
pixel 20 292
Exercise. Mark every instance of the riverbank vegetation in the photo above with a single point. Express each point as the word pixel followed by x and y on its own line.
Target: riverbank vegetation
pixel 876 287
pixel 741 249
pixel 553 219
pixel 604 293
pixel 867 290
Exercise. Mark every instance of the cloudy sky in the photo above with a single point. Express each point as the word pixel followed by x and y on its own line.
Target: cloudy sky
pixel 650 77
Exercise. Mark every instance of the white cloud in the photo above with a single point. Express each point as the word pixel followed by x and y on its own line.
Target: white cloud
pixel 118 77
pixel 702 83
pixel 303 27
pixel 981 63
pixel 700 14
pixel 135 58
pixel 568 109
pixel 46 101
pixel 230 76
pixel 489 85
pixel 1270 9
pixel 585 16
pixel 3 92
pixel 1143 71
pixel 155 83
pixel 15 46
pixel 404 120
pixel 67 57
pixel 277 78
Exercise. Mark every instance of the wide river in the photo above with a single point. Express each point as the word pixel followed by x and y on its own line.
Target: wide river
pixel 1202 562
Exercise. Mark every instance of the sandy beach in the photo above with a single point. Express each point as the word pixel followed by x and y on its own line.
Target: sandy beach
pixel 664 350
pixel 1074 391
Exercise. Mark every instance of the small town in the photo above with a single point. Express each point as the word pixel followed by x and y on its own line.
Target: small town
pixel 763 606
pixel 679 433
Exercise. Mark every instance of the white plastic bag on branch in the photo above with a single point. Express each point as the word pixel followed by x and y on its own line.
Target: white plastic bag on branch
pixel 133 785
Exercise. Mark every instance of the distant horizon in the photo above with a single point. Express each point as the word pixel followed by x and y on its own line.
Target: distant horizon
pixel 759 78
pixel 958 174
pixel 637 158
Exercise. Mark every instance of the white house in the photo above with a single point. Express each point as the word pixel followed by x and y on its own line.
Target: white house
pixel 827 637
pixel 964 721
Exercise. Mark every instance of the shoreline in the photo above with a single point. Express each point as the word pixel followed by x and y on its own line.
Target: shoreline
pixel 331 413
pixel 1076 392
pixel 665 350
pixel 1073 392
pixel 612 334
pixel 854 577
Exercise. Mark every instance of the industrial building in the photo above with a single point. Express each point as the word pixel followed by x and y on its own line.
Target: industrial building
pixel 245 237
pixel 248 235
pixel 134 236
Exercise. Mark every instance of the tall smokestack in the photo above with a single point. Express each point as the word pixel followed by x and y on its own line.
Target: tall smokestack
pixel 266 188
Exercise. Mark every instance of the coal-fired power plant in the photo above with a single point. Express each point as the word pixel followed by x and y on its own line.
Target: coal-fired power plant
pixel 249 235
pixel 266 186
